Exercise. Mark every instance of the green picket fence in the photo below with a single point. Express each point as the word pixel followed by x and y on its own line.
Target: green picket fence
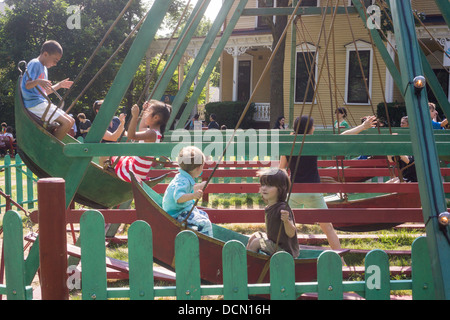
pixel 18 182
pixel 329 285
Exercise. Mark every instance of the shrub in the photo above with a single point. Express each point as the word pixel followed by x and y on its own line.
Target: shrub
pixel 229 112
pixel 396 111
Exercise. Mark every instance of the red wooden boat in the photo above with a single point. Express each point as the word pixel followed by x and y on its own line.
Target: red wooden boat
pixel 165 229
pixel 391 200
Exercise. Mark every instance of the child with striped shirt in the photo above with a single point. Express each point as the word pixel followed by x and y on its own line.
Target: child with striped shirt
pixel 151 129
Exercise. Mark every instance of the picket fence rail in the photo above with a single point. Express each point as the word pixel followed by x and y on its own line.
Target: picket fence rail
pixel 24 193
pixel 329 285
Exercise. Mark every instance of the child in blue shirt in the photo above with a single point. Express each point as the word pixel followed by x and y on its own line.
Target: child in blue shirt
pixel 433 115
pixel 36 86
pixel 182 191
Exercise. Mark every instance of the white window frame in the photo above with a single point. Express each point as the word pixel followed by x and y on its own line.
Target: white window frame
pixel 350 3
pixel 257 6
pixel 360 46
pixel 307 48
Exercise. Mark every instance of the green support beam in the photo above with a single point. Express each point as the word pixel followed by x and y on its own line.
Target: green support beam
pixel 198 62
pixel 320 148
pixel 424 148
pixel 444 6
pixel 179 49
pixel 117 91
pixel 212 62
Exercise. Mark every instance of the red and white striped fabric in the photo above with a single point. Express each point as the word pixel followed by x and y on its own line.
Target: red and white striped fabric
pixel 140 166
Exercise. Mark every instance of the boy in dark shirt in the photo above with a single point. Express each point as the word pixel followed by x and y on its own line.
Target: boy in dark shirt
pixel 280 223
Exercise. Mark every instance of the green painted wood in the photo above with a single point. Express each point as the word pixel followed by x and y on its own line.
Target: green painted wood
pixel 197 64
pixel 32 262
pixel 8 177
pixel 377 276
pixel 421 274
pixel 179 49
pixel 45 156
pixel 234 264
pixel 140 246
pixel 324 148
pixel 93 256
pixel 14 256
pixel 444 6
pixel 423 144
pixel 282 276
pixel 435 86
pixel 116 93
pixel 329 276
pixel 187 266
pixel 212 62
pixel 19 181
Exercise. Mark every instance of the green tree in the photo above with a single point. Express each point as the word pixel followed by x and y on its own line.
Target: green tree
pixel 29 23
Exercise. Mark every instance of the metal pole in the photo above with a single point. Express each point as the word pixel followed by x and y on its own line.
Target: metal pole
pixel 424 147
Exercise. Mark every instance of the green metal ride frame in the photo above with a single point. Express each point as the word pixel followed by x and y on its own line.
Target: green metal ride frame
pixel 424 147
pixel 412 63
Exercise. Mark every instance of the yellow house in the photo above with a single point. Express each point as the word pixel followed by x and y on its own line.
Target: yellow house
pixel 337 68
pixel 347 69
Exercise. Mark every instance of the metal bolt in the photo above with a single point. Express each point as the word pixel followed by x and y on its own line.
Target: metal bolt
pixel 425 285
pixel 188 292
pixel 93 296
pixel 235 289
pixel 330 288
pixel 283 289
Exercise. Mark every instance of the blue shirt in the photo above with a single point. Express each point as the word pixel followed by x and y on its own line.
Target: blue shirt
pixel 436 125
pixel 183 183
pixel 36 70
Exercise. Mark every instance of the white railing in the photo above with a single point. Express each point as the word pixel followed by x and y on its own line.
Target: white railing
pixel 262 113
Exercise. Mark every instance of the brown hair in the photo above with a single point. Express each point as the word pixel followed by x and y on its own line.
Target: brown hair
pixel 305 125
pixel 190 158
pixel 163 110
pixel 278 178
pixel 51 47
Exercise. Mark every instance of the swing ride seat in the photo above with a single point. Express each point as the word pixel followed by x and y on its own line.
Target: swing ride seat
pixel 44 155
pixel 165 228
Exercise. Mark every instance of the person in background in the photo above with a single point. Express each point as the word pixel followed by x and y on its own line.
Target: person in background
pixel 213 122
pixel 85 124
pixel 341 114
pixel 280 123
pixel 433 115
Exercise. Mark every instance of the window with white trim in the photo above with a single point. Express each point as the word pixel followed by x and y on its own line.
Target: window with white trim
pixel 305 62
pixel 358 76
pixel 309 3
pixel 366 3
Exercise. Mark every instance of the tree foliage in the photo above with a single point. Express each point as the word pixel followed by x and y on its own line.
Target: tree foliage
pixel 29 23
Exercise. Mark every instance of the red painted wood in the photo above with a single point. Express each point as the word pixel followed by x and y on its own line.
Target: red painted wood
pixel 352 187
pixel 53 241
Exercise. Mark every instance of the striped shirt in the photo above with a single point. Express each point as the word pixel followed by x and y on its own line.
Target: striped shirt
pixel 140 166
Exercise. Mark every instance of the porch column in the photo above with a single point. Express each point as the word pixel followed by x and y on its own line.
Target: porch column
pixel 235 74
pixel 389 89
